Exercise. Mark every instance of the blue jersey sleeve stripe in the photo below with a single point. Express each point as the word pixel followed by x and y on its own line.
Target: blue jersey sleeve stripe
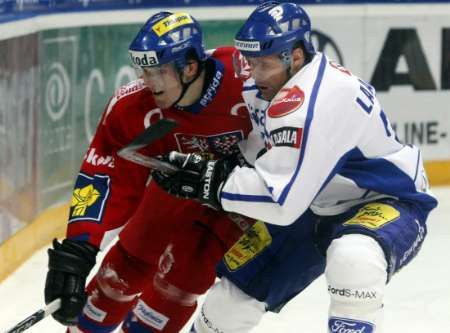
pixel 245 197
pixel 309 118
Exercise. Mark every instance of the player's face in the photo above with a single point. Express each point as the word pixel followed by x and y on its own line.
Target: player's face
pixel 269 73
pixel 164 83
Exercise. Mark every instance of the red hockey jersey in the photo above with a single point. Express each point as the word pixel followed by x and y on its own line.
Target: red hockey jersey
pixel 109 189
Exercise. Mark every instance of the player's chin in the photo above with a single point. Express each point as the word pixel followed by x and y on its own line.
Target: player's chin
pixel 266 92
pixel 162 100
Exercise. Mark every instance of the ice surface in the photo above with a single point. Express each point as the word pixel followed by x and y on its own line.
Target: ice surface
pixel 417 299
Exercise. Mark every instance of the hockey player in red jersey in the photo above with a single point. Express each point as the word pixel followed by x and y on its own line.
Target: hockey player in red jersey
pixel 168 247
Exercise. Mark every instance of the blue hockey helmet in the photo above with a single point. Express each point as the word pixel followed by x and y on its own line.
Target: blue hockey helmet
pixel 274 28
pixel 167 37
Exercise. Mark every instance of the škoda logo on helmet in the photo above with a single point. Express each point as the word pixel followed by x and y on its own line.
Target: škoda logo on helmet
pixel 143 59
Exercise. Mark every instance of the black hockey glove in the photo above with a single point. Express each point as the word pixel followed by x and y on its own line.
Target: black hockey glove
pixel 198 178
pixel 69 265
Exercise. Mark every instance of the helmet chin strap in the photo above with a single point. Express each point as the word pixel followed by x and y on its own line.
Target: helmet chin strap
pixel 185 85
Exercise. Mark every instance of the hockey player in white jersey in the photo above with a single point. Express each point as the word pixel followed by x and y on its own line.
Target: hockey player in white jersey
pixel 337 191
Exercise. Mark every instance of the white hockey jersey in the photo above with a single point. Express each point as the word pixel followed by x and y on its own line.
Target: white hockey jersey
pixel 326 144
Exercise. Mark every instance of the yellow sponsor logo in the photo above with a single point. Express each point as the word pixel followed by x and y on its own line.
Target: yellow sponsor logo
pixel 82 198
pixel 253 242
pixel 374 215
pixel 171 22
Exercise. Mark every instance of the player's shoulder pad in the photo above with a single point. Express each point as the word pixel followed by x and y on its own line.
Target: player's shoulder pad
pixel 124 94
pixel 341 77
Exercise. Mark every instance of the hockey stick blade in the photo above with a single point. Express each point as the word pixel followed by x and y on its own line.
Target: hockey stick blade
pixel 151 134
pixel 36 317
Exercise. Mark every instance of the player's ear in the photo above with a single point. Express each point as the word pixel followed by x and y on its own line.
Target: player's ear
pixel 297 59
pixel 190 70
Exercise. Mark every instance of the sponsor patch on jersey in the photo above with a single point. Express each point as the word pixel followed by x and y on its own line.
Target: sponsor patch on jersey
pixel 150 316
pixel 374 216
pixel 91 311
pixel 252 243
pixel 287 137
pixel 89 197
pixel 344 325
pixel 171 22
pixel 129 89
pixel 95 159
pixel 213 87
pixel 222 144
pixel 286 101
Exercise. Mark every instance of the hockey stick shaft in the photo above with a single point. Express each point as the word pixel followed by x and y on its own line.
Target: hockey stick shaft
pixel 36 317
pixel 150 134
pixel 147 161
